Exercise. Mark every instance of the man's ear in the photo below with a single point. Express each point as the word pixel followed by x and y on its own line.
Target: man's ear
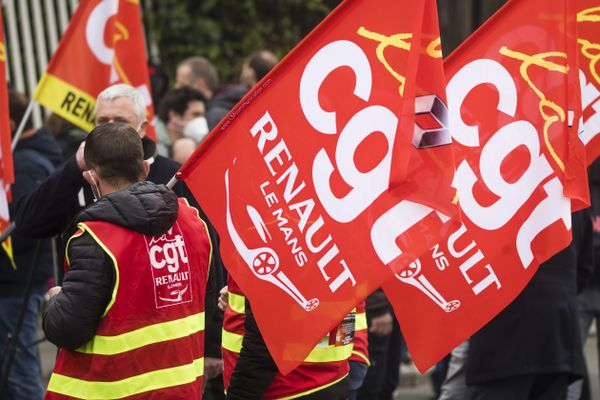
pixel 142 129
pixel 146 168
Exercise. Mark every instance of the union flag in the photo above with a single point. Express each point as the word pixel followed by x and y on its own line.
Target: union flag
pixel 332 172
pixel 514 107
pixel 103 45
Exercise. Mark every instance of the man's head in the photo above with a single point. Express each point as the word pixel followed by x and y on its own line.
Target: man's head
pixel 17 105
pixel 256 66
pixel 122 103
pixel 197 73
pixel 114 155
pixel 178 107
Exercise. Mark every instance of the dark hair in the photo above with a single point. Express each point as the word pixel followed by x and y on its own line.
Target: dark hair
pixel 261 62
pixel 115 151
pixel 17 105
pixel 202 68
pixel 177 100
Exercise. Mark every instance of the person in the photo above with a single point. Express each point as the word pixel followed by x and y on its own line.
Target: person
pixel 380 323
pixel 178 109
pixel 255 67
pixel 37 154
pixel 358 362
pixel 533 349
pixel 131 307
pixel 199 74
pixel 249 371
pixel 588 301
pixel 49 210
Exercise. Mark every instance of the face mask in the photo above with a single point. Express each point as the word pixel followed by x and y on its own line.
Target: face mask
pixel 94 186
pixel 196 129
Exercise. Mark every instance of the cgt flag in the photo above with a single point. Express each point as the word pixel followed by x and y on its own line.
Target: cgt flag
pixel 6 160
pixel 299 174
pixel 588 24
pixel 103 45
pixel 513 105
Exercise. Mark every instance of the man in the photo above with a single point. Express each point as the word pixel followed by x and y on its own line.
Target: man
pixel 532 349
pixel 132 303
pixel 255 67
pixel 177 109
pixel 37 154
pixel 250 373
pixel 49 209
pixel 197 73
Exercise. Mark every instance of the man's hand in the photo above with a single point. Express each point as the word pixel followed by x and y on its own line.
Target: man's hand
pixel 223 298
pixel 212 367
pixel 382 325
pixel 53 291
pixel 79 157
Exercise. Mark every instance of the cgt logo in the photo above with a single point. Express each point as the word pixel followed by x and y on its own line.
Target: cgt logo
pixel 170 268
pixel 168 252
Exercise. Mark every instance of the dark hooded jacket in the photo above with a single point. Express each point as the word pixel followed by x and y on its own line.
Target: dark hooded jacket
pixel 223 103
pixel 71 318
pixel 35 158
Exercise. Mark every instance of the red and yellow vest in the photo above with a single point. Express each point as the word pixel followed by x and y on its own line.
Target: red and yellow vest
pixel 360 352
pixel 325 366
pixel 149 343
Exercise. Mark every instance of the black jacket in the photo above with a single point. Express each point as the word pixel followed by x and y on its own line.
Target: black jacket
pixel 50 209
pixel 71 318
pixel 255 369
pixel 35 158
pixel 539 331
pixel 223 102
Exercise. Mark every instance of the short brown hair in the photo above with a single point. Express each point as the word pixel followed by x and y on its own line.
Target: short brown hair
pixel 115 151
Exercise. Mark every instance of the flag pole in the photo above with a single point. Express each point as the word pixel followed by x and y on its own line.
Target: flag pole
pixel 174 180
pixel 22 124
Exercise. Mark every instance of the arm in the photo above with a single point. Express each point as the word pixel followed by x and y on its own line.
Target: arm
pixel 255 368
pixel 71 317
pixel 583 240
pixel 46 211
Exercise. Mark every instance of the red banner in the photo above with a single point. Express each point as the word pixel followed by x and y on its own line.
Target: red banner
pixel 588 25
pixel 299 174
pixel 6 162
pixel 513 113
pixel 103 46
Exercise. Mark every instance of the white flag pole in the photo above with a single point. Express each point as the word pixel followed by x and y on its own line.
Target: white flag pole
pixel 22 124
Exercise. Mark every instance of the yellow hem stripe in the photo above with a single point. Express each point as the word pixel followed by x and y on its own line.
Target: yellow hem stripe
pixel 154 380
pixel 161 332
pixel 311 391
pixel 233 342
pixel 362 356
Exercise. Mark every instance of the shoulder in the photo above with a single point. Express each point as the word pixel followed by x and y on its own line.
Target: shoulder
pixel 162 170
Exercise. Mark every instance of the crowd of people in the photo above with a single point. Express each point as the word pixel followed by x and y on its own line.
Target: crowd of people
pixel 146 308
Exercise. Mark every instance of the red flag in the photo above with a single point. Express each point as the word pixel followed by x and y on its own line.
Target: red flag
pixel 588 19
pixel 509 97
pixel 299 173
pixel 6 162
pixel 103 45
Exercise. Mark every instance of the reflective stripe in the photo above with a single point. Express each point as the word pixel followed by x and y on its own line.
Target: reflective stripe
pixel 361 322
pixel 233 342
pixel 155 380
pixel 311 391
pixel 113 297
pixel 362 357
pixel 237 303
pixel 330 353
pixel 161 332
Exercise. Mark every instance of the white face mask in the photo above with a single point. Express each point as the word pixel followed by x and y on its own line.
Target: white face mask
pixel 196 129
